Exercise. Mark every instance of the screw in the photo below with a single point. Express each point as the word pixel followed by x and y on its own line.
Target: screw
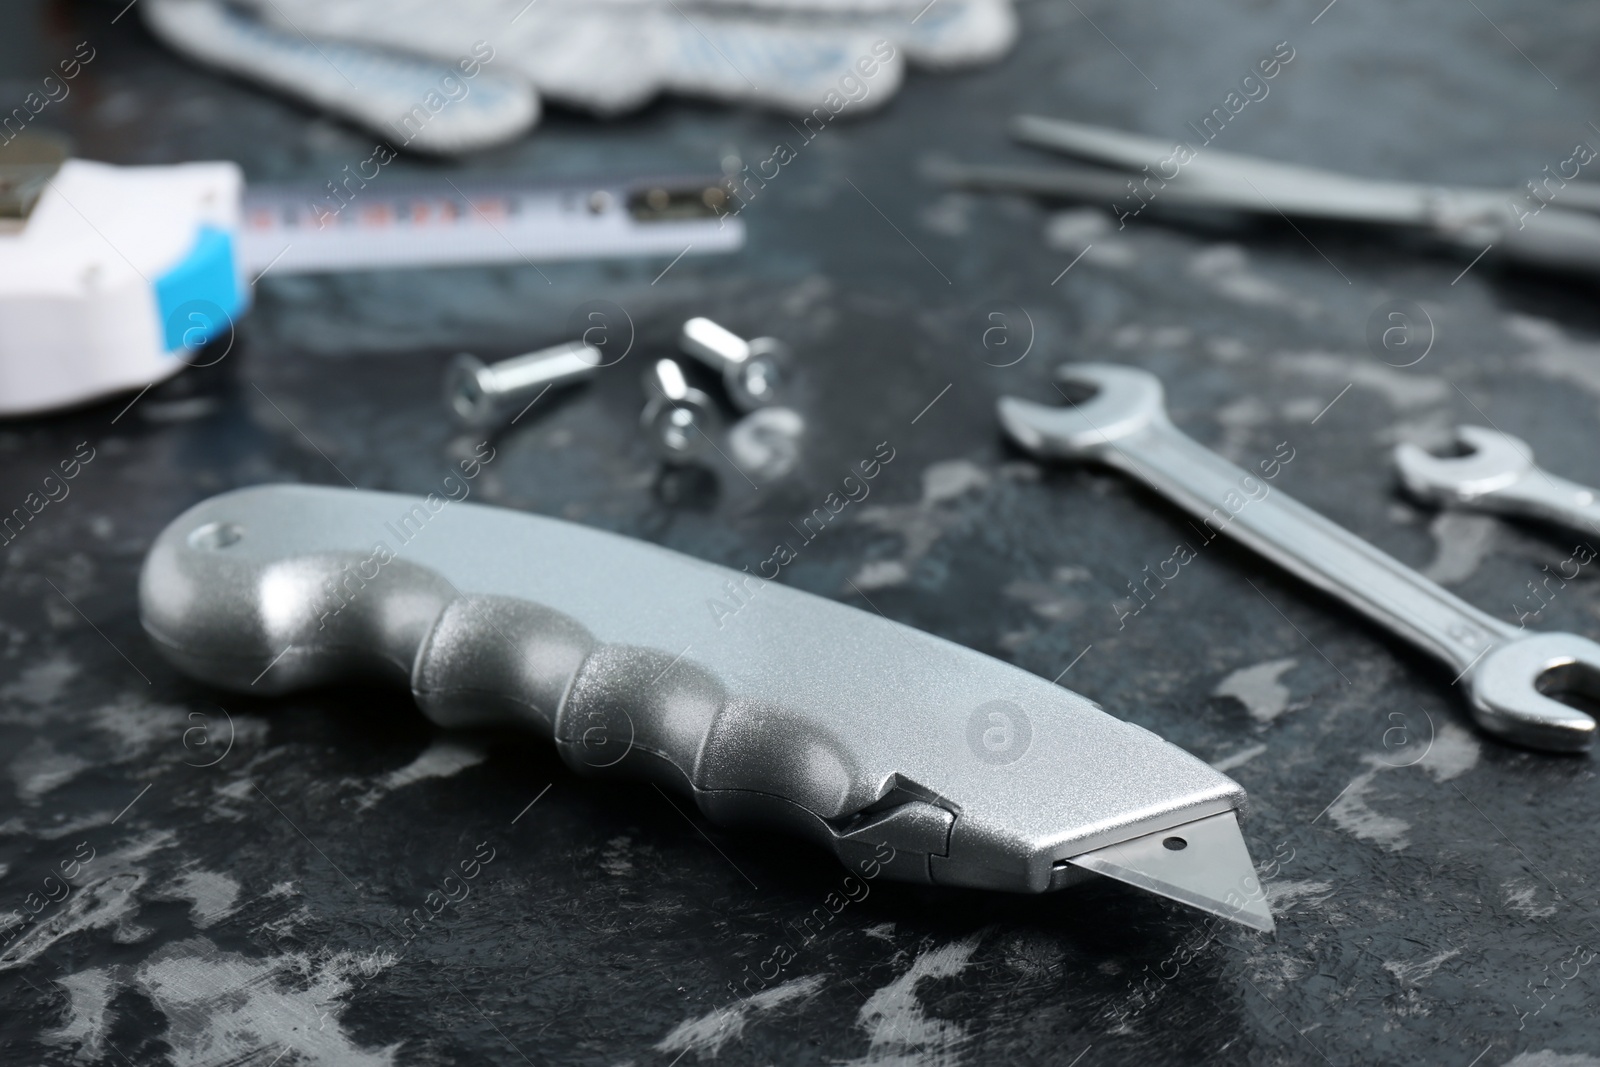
pixel 751 370
pixel 679 419
pixel 480 394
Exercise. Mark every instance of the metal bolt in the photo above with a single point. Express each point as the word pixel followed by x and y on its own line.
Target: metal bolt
pixel 679 418
pixel 480 394
pixel 751 370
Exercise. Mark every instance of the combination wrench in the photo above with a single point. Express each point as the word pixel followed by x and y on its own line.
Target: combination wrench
pixel 1513 676
pixel 1496 473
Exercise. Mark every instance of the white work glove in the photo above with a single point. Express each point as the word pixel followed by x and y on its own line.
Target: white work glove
pixel 451 76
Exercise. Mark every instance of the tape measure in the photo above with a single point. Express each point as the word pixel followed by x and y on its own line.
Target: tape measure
pixel 114 278
pixel 304 230
pixel 109 276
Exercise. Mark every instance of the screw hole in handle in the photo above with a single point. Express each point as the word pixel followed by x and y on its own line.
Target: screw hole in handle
pixel 214 536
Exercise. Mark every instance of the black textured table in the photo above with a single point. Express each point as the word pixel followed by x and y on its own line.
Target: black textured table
pixel 260 882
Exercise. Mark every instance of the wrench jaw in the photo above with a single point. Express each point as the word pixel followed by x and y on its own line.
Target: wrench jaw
pixel 1125 402
pixel 1512 691
pixel 1492 461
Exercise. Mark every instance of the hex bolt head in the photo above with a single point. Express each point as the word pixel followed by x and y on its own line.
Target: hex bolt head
pixel 480 394
pixel 679 419
pixel 754 372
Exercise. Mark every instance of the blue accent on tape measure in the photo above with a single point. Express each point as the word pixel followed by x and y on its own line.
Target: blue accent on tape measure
pixel 199 298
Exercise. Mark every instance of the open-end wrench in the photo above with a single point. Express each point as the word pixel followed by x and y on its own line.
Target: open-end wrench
pixel 1496 473
pixel 1513 676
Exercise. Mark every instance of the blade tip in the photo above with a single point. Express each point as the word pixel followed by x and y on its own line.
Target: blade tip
pixel 1263 923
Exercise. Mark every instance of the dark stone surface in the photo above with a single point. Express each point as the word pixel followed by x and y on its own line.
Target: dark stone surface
pixel 1434 889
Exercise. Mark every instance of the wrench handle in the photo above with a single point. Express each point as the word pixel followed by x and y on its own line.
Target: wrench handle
pixel 1229 500
pixel 1549 498
pixel 1555 237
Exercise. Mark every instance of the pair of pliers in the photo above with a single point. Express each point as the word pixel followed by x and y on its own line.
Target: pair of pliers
pixel 1552 224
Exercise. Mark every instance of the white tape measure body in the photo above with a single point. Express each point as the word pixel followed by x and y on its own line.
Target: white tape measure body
pixel 114 277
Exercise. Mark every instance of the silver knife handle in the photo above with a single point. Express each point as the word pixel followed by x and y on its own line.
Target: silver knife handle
pixel 764 704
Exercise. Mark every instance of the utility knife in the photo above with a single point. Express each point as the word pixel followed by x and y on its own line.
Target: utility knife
pixel 769 707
